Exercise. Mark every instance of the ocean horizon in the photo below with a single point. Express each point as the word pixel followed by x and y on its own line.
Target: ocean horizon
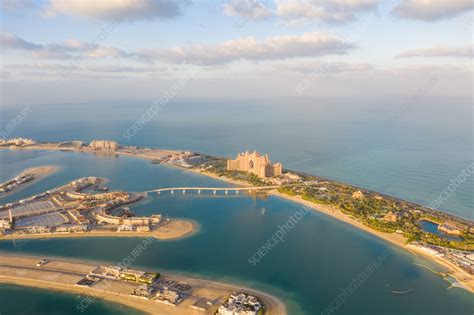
pixel 306 271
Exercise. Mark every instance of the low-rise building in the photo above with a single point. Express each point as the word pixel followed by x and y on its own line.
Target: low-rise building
pixel 65 201
pixel 139 276
pixel 240 304
pixel 108 272
pixel 5 224
pixel 103 217
pixel 358 195
pixel 143 228
pixel 169 296
pixel 71 228
pixel 143 291
pixel 125 228
pixel 390 217
pixel 38 230
pixel 77 217
pixel 21 142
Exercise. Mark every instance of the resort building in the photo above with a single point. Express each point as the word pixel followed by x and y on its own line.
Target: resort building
pixel 104 145
pixel 255 163
pixel 390 217
pixel 20 142
pixel 139 276
pixel 103 217
pixel 125 228
pixel 168 296
pixel 240 304
pixel 37 230
pixel 71 228
pixel 142 228
pixel 65 201
pixel 77 217
pixel 143 291
pixel 108 272
pixel 5 224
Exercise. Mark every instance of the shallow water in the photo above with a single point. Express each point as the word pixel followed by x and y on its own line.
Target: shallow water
pixel 414 157
pixel 432 227
pixel 317 259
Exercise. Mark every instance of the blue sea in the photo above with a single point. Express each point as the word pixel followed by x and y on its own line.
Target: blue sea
pixel 414 159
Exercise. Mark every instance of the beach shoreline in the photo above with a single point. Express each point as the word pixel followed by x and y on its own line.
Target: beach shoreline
pixel 39 173
pixel 464 278
pixel 16 269
pixel 172 230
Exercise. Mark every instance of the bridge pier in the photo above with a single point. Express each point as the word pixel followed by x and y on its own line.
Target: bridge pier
pixel 214 190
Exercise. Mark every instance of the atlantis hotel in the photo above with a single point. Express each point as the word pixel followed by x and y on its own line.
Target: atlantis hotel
pixel 255 163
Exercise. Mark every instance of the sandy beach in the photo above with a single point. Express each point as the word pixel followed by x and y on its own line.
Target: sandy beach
pixel 173 229
pixel 464 278
pixel 62 274
pixel 38 172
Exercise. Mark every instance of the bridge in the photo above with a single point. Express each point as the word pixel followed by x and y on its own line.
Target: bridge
pixel 216 189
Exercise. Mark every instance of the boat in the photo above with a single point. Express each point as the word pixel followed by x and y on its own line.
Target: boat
pixel 104 188
pixel 41 262
pixel 402 292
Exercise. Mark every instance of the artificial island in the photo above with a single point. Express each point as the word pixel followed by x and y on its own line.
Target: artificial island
pixel 81 208
pixel 148 291
pixel 25 178
pixel 403 223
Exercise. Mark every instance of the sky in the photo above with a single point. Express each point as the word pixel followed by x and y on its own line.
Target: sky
pixel 272 51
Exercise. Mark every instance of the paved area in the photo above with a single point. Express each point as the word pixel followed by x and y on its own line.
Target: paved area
pixel 32 208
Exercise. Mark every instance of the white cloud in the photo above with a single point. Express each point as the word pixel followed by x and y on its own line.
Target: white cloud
pixel 439 51
pixel 64 50
pixel 249 48
pixel 335 11
pixel 246 48
pixel 431 10
pixel 249 9
pixel 55 69
pixel 11 41
pixel 113 10
pixel 324 67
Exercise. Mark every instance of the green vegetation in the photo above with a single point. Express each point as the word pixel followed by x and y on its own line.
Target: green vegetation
pixel 246 177
pixel 431 218
pixel 381 213
pixel 287 190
